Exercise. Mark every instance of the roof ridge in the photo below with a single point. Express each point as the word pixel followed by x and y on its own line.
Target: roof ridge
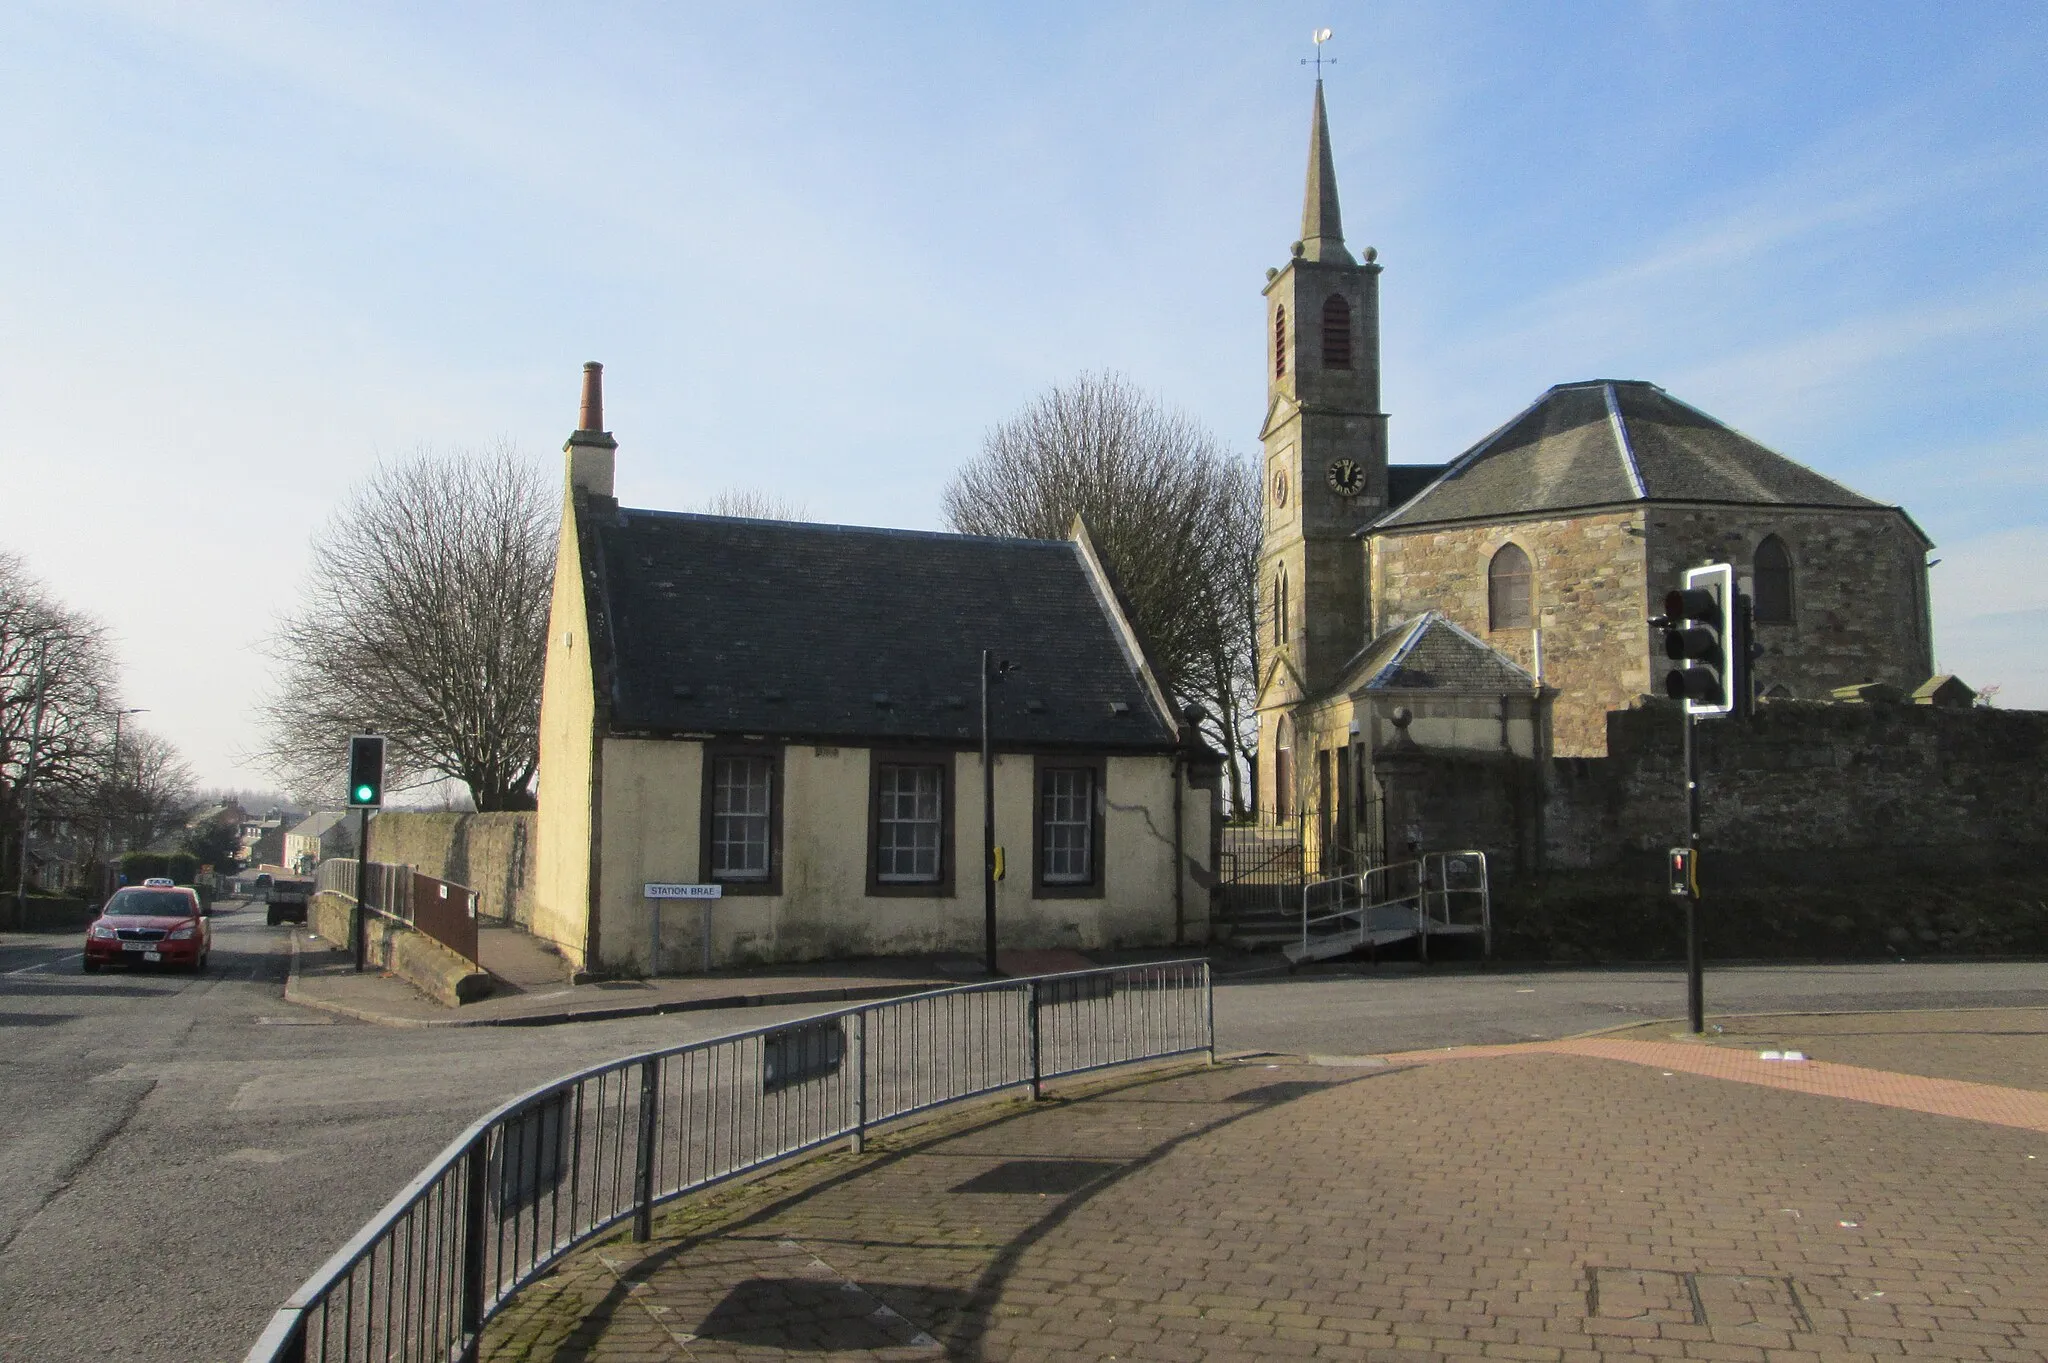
pixel 837 527
pixel 1621 440
pixel 1404 648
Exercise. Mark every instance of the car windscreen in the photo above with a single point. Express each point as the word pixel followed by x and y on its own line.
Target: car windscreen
pixel 150 904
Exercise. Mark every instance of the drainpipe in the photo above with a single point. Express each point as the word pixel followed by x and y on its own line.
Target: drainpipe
pixel 1179 856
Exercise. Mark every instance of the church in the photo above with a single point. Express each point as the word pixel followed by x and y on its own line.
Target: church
pixel 1499 603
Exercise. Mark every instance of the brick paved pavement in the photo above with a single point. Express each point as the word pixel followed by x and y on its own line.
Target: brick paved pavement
pixel 1537 1203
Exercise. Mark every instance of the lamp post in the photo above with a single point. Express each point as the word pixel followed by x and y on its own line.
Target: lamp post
pixel 28 778
pixel 113 788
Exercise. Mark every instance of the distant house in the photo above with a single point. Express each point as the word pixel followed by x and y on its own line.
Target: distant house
pixel 791 713
pixel 317 837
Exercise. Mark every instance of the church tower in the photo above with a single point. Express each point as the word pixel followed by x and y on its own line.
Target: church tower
pixel 1325 444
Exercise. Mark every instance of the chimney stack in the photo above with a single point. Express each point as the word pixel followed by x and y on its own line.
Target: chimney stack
pixel 591 449
pixel 591 417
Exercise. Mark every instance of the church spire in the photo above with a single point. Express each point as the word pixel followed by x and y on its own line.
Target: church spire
pixel 1322 229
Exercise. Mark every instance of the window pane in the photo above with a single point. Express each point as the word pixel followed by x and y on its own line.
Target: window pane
pixel 740 817
pixel 1067 806
pixel 908 823
pixel 1772 604
pixel 1507 580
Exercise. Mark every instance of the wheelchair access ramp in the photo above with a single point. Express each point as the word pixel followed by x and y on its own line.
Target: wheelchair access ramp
pixel 1440 894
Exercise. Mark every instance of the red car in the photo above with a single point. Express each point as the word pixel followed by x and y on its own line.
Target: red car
pixel 154 923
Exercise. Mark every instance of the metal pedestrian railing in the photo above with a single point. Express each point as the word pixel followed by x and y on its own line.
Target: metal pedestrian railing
pixel 442 909
pixel 554 1168
pixel 1442 893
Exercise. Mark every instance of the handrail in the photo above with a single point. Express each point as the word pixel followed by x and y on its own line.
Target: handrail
pixel 561 1163
pixel 1426 887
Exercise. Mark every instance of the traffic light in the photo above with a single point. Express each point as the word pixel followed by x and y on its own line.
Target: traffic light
pixel 1700 636
pixel 1684 865
pixel 366 771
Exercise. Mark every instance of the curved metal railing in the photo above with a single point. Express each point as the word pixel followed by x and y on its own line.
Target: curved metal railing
pixel 553 1168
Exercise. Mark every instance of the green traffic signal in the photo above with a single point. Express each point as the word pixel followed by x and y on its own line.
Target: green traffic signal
pixel 366 771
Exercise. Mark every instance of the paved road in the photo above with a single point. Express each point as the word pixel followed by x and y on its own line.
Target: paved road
pixel 1405 1009
pixel 179 1153
pixel 193 1148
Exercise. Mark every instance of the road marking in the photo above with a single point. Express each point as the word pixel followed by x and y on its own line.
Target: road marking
pixel 32 969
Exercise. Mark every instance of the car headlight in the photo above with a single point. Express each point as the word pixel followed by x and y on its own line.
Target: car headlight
pixel 182 934
pixel 103 932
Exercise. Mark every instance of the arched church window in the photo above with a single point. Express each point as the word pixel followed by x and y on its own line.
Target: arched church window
pixel 1283 769
pixel 1336 332
pixel 1507 590
pixel 1773 586
pixel 1280 341
pixel 1280 606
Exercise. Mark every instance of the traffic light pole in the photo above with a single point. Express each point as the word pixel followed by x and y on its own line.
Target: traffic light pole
pixel 362 916
pixel 1695 985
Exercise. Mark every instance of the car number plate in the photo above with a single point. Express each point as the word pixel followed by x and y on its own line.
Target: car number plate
pixel 138 946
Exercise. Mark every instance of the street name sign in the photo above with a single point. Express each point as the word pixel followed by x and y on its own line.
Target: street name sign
pixel 654 891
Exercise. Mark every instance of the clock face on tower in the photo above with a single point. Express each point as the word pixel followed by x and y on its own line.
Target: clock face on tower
pixel 1346 477
pixel 1280 487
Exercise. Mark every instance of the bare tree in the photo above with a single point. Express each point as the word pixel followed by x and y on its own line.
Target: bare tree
pixel 58 773
pixel 150 791
pixel 424 619
pixel 1174 514
pixel 754 504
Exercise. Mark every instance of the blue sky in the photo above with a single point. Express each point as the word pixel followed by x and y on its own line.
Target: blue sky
pixel 250 249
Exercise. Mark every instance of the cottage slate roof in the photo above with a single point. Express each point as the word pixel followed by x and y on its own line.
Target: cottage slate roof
pixel 1434 653
pixel 1611 441
pixel 726 625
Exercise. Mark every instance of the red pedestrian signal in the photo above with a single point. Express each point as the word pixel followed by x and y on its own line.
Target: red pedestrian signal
pixel 1684 866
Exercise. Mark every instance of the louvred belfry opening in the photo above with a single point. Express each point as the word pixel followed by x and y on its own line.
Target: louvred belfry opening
pixel 1336 332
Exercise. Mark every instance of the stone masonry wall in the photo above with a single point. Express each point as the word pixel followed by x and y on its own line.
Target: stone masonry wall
pixel 1890 783
pixel 1588 595
pixel 1859 589
pixel 490 853
pixel 1827 831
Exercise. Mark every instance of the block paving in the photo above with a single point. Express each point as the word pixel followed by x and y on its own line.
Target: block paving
pixel 1599 1198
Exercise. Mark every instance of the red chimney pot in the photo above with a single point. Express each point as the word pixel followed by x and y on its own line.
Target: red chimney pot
pixel 591 418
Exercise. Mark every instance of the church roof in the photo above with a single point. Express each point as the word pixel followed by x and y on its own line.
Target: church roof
pixel 1614 441
pixel 724 625
pixel 1433 653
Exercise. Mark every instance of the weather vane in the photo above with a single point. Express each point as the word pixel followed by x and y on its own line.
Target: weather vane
pixel 1319 37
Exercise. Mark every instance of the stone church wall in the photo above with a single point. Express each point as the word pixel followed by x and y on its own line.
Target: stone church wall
pixel 1587 595
pixel 1859 589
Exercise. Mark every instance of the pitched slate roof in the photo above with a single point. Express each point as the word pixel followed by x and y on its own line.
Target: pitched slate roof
pixel 1613 441
pixel 1405 480
pixel 1432 652
pixel 315 825
pixel 736 626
